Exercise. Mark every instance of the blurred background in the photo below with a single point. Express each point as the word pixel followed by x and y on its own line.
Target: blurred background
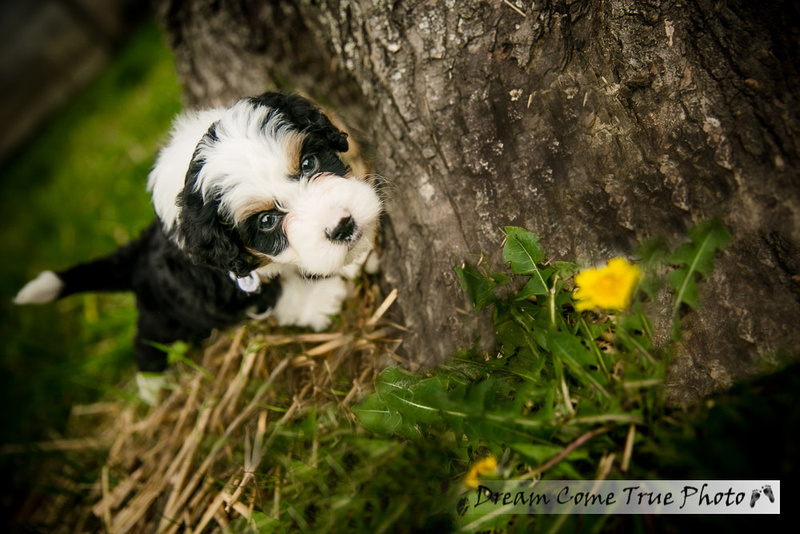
pixel 87 94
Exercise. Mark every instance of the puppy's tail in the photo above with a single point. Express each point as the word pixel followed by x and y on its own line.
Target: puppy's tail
pixel 46 287
pixel 103 274
pixel 110 273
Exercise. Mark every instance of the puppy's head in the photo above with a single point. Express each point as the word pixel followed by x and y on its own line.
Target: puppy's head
pixel 266 185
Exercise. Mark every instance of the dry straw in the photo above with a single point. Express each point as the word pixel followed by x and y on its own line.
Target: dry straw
pixel 172 468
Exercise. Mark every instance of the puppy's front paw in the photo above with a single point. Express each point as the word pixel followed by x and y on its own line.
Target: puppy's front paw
pixel 325 301
pixel 310 303
pixel 370 264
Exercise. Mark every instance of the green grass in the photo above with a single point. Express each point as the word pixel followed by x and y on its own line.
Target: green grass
pixel 77 192
pixel 564 394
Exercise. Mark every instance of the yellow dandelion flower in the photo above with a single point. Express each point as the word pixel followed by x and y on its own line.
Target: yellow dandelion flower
pixel 482 467
pixel 610 288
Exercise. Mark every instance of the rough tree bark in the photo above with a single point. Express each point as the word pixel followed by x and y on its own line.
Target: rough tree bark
pixel 596 124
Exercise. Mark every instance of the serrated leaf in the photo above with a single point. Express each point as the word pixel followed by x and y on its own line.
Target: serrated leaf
pixel 563 298
pixel 479 288
pixel 577 358
pixel 565 269
pixel 391 379
pixel 534 287
pixel 419 403
pixel 697 256
pixel 522 251
pixel 373 414
pixel 653 252
pixel 526 364
pixel 707 238
pixel 510 337
pixel 571 346
pixel 680 278
pixel 711 236
pixel 379 412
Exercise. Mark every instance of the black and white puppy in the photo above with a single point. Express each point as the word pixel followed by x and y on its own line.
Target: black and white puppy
pixel 257 214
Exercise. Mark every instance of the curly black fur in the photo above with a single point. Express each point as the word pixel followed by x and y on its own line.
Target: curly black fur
pixel 176 298
pixel 304 116
pixel 206 237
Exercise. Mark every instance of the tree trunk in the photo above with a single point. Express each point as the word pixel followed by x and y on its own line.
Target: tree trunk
pixel 596 124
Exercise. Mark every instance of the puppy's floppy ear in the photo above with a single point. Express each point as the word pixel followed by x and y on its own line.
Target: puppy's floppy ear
pixel 322 126
pixel 305 117
pixel 203 235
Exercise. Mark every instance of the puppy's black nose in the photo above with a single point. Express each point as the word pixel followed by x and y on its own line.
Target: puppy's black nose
pixel 344 231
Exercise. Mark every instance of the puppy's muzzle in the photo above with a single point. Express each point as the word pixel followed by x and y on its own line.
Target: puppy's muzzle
pixel 344 232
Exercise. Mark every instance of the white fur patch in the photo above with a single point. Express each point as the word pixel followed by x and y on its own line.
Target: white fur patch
pixel 44 288
pixel 248 162
pixel 310 303
pixel 169 173
pixel 316 210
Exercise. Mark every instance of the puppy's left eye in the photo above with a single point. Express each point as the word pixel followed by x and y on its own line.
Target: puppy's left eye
pixel 309 165
pixel 268 221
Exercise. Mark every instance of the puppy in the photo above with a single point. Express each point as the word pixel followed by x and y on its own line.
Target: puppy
pixel 257 214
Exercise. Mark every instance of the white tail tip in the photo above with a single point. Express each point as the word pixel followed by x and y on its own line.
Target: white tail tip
pixel 44 288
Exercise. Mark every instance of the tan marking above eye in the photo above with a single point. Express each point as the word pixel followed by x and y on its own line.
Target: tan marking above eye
pixel 293 145
pixel 252 208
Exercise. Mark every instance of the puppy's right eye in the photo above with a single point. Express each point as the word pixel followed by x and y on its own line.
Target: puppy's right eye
pixel 309 165
pixel 267 221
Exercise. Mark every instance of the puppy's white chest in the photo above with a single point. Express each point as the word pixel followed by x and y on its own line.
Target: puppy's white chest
pixel 310 303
